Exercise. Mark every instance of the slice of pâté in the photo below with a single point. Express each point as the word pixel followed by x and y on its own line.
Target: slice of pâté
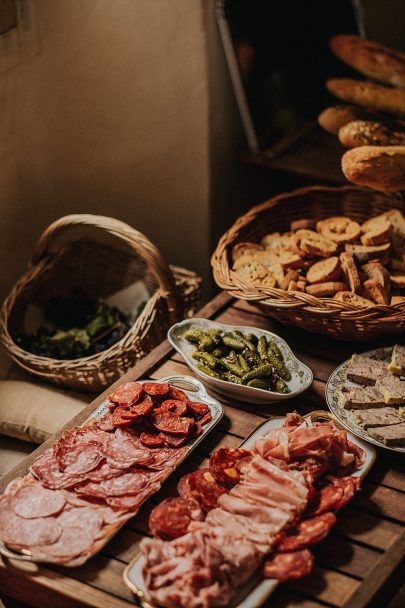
pixel 397 364
pixel 392 389
pixel 364 370
pixel 360 397
pixel 393 435
pixel 385 416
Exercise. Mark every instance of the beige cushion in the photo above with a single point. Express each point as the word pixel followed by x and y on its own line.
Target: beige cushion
pixel 33 412
pixel 12 451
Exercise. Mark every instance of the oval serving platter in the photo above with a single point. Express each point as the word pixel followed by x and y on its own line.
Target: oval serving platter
pixel 337 380
pixel 301 374
pixel 255 593
pixel 196 391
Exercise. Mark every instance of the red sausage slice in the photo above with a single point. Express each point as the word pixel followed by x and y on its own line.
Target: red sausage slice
pixel 197 409
pixel 175 406
pixel 156 388
pixel 171 518
pixel 202 487
pixel 176 393
pixel 140 409
pixel 126 394
pixel 308 532
pixel 170 423
pixel 151 440
pixel 225 464
pixel 289 566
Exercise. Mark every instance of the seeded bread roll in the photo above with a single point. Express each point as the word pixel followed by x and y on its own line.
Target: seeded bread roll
pixel 334 118
pixel 369 133
pixel 370 58
pixel 378 167
pixel 368 94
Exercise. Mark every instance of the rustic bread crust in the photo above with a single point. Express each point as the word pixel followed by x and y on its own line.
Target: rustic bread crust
pixel 375 292
pixel 370 58
pixel 369 133
pixel 334 118
pixel 352 298
pixel 368 94
pixel 378 167
pixel 364 254
pixel 305 223
pixel 378 234
pixel 339 229
pixel 241 249
pixel 321 290
pixel 313 244
pixel 350 271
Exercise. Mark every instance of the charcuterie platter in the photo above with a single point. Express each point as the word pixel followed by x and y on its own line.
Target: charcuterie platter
pixel 263 504
pixel 80 491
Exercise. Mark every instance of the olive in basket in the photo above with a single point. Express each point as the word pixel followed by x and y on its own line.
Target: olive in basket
pixel 76 327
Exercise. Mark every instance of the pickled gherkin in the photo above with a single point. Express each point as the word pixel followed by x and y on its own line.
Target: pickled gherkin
pixel 242 358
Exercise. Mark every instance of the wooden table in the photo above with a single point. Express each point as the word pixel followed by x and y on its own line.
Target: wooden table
pixel 358 565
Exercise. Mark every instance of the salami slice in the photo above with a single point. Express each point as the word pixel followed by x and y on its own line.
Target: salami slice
pixel 72 542
pixel 31 500
pixel 126 394
pixel 201 487
pixel 204 420
pixel 132 502
pixel 308 532
pixel 81 458
pixel 105 423
pixel 176 393
pixel 46 470
pixel 197 409
pixel 174 441
pixel 170 423
pixel 29 532
pixel 125 449
pixel 82 517
pixel 151 440
pixel 166 457
pixel 175 406
pixel 156 388
pixel 225 465
pixel 350 485
pixel 289 566
pixel 104 471
pixel 335 495
pixel 171 518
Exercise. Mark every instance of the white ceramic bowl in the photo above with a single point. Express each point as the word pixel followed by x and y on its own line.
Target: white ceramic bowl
pixel 301 375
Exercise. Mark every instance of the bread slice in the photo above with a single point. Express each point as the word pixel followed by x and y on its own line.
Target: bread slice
pixel 369 133
pixel 374 291
pixel 324 290
pixel 352 298
pixel 376 271
pixel 397 300
pixel 350 271
pixel 311 243
pixel 385 416
pixel 241 249
pixel 365 370
pixel 277 241
pixel 398 229
pixel 291 275
pixel 370 58
pixel 324 271
pixel 362 397
pixel 393 435
pixel 368 94
pixel 339 229
pixel 398 279
pixel 397 363
pixel 377 233
pixel 378 167
pixel 363 254
pixel 303 224
pixel 391 388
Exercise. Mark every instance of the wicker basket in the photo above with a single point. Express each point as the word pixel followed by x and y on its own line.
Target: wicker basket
pixel 320 315
pixel 98 256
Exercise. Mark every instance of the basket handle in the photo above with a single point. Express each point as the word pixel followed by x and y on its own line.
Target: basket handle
pixel 137 241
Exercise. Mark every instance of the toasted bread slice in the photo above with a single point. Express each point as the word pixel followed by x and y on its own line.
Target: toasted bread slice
pixel 339 229
pixel 375 270
pixel 353 298
pixel 350 271
pixel 241 249
pixel 313 244
pixel 375 292
pixel 323 290
pixel 324 271
pixel 363 254
pixel 378 234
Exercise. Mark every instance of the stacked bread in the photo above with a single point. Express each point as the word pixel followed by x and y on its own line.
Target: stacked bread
pixel 372 123
pixel 358 264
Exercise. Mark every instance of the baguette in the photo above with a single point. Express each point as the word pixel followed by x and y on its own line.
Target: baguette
pixel 369 133
pixel 334 118
pixel 370 58
pixel 378 167
pixel 368 94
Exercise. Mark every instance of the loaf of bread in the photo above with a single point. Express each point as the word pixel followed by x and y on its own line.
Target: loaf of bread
pixel 334 118
pixel 368 94
pixel 370 58
pixel 370 133
pixel 378 167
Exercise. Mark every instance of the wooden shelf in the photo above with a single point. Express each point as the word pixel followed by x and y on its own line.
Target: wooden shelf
pixel 316 156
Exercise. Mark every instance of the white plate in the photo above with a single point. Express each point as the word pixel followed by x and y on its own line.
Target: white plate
pixel 337 380
pixel 255 593
pixel 301 375
pixel 195 390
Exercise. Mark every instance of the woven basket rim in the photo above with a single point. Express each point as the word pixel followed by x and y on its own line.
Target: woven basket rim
pixel 277 298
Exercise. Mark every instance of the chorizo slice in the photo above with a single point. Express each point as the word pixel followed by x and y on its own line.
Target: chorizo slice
pixel 156 388
pixel 308 532
pixel 202 487
pixel 289 566
pixel 170 423
pixel 335 495
pixel 197 409
pixel 174 441
pixel 175 406
pixel 140 409
pixel 178 394
pixel 126 394
pixel 171 518
pixel 151 440
pixel 225 465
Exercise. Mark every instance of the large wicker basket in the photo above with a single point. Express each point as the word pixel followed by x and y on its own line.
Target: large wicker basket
pixel 320 315
pixel 98 256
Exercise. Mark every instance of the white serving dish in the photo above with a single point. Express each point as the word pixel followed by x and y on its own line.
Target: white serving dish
pixel 196 392
pixel 257 591
pixel 301 375
pixel 337 380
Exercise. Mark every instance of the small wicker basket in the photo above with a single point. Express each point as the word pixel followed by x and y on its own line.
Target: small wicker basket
pixel 98 256
pixel 319 315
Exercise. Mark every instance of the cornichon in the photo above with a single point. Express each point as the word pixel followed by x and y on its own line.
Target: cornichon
pixel 242 358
